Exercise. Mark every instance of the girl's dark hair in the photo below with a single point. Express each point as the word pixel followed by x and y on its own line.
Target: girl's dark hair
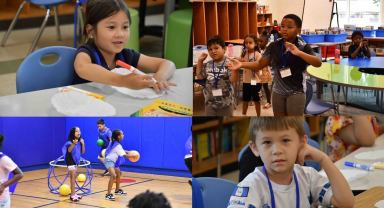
pixel 71 135
pixel 1 140
pixel 97 10
pixel 149 199
pixel 254 37
pixel 115 134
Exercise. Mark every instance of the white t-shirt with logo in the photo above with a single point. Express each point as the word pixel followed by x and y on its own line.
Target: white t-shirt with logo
pixel 253 191
pixel 6 166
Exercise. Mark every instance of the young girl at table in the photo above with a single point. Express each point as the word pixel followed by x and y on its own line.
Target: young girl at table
pixel 72 151
pixel 107 28
pixel 251 79
pixel 289 58
pixel 7 166
pixel 359 48
pixel 265 73
pixel 114 157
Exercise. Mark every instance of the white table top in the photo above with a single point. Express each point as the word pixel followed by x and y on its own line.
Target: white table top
pixel 375 177
pixel 38 103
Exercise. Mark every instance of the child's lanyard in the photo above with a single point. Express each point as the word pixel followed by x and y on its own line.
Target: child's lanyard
pixel 254 59
pixel 217 75
pixel 97 57
pixel 273 196
pixel 284 57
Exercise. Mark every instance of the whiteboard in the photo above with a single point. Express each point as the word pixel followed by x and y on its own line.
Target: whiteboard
pixel 317 14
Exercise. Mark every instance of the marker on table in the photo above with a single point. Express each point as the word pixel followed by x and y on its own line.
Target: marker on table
pixel 93 94
pixel 132 69
pixel 359 166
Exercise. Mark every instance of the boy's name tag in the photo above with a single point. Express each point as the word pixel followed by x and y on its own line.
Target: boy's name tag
pixel 253 82
pixel 285 72
pixel 217 92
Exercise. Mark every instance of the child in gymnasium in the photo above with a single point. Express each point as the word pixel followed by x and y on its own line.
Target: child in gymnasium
pixel 265 73
pixel 107 24
pixel 72 151
pixel 105 134
pixel 218 91
pixel 359 48
pixel 281 143
pixel 289 58
pixel 6 167
pixel 114 157
pixel 251 79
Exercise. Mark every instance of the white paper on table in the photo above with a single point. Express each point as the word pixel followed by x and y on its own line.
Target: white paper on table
pixel 370 155
pixel 380 204
pixel 350 174
pixel 147 93
pixel 73 103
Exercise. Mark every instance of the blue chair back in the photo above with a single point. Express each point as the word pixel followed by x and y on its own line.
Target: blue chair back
pixel 35 75
pixel 215 192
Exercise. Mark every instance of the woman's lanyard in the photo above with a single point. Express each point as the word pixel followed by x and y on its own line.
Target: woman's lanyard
pixel 254 59
pixel 216 75
pixel 273 196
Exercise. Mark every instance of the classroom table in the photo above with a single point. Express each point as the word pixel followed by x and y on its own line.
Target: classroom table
pixel 374 178
pixel 370 197
pixel 327 44
pixel 373 62
pixel 38 103
pixel 348 76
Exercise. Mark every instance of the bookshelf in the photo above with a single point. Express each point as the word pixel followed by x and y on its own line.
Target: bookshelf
pixel 230 19
pixel 210 151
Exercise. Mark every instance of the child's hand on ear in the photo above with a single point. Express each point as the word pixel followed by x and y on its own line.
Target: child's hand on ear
pixel 292 48
pixel 307 152
pixel 202 56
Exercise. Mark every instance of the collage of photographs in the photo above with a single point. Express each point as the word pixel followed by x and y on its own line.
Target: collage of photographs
pixel 191 103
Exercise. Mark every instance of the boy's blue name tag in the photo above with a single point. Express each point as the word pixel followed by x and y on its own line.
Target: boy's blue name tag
pixel 241 192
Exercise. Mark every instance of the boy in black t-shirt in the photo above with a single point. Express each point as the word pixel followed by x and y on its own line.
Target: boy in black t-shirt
pixel 359 48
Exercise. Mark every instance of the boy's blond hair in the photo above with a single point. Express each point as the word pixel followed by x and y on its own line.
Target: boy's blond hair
pixel 276 124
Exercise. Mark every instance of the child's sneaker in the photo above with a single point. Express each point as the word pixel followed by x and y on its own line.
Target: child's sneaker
pixel 120 192
pixel 74 198
pixel 78 196
pixel 110 197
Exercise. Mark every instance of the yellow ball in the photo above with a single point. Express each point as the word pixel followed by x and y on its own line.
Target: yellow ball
pixel 103 153
pixel 64 190
pixel 81 178
pixel 134 156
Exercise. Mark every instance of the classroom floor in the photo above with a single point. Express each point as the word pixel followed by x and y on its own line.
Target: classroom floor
pixel 32 191
pixel 19 42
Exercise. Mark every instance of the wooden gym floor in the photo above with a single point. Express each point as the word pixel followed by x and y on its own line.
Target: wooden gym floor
pixel 32 190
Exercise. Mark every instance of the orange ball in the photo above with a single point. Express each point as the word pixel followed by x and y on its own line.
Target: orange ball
pixel 133 156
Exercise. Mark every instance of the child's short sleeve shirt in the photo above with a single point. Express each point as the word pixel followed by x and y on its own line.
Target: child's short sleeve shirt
pixel 280 59
pixel 217 76
pixel 253 191
pixel 129 56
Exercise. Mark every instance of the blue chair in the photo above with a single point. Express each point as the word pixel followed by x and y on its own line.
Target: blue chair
pixel 78 21
pixel 47 4
pixel 35 75
pixel 211 192
pixel 314 106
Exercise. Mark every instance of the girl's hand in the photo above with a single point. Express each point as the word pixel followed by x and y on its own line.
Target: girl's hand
pixel 308 152
pixel 292 48
pixel 234 64
pixel 75 141
pixel 162 85
pixel 82 141
pixel 136 81
pixel 202 56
